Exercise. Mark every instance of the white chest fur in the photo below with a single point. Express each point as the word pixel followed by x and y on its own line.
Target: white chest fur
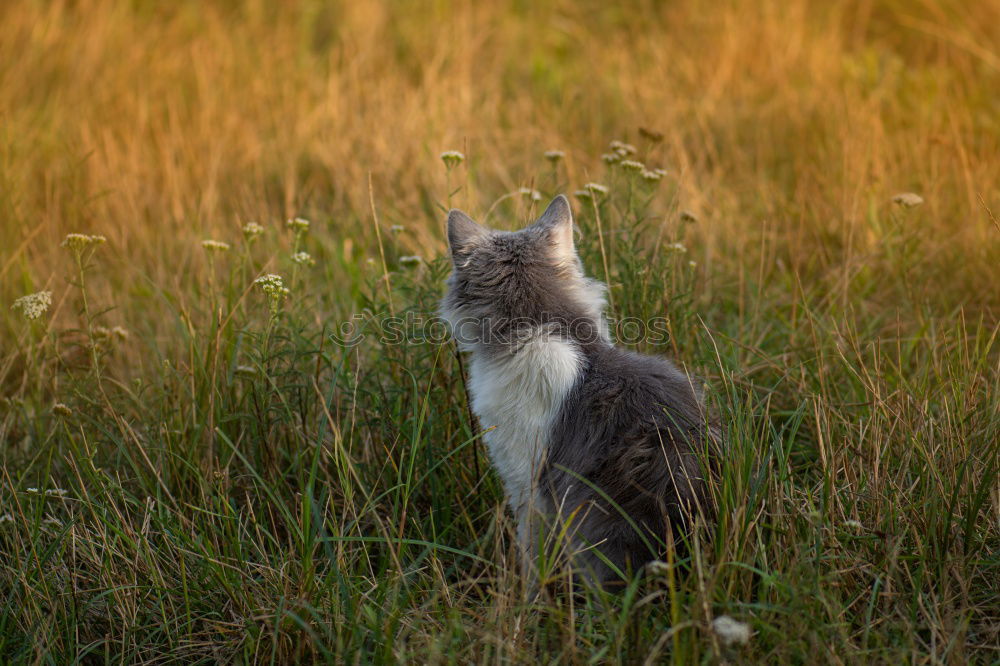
pixel 517 398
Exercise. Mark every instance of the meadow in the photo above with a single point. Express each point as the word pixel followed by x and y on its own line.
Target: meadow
pixel 197 465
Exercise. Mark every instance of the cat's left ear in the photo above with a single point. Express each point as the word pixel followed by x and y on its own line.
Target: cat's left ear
pixel 557 223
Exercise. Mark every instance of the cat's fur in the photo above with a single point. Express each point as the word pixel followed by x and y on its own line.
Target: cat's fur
pixel 603 446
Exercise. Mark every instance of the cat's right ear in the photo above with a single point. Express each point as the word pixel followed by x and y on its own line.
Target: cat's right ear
pixel 463 233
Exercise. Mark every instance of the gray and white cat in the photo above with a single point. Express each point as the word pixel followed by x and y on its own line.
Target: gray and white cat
pixel 598 444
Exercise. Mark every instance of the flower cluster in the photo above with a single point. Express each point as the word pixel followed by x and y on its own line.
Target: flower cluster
pixel 303 259
pixel 554 155
pixel 33 305
pixel 299 225
pixel 80 242
pixel 622 149
pixel 213 246
pixel 452 158
pixel 251 231
pixel 274 287
pixel 410 260
pixel 653 175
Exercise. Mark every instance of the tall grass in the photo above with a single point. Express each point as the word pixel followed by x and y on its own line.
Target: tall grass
pixel 194 469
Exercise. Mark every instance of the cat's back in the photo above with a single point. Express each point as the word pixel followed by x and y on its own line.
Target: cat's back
pixel 632 426
pixel 622 389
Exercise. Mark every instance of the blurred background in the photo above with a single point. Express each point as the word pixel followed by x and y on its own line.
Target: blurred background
pixel 160 124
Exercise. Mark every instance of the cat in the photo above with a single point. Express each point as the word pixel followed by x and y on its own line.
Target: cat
pixel 606 448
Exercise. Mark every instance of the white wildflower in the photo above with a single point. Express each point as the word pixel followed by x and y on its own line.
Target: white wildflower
pixel 583 195
pixel 651 176
pixel 908 199
pixel 61 409
pixel 34 305
pixel 212 246
pixel 853 525
pixel 6 518
pixel 452 158
pixel 692 265
pixel 120 333
pixel 623 149
pixel 554 155
pixel 730 631
pixel 632 165
pixel 274 287
pixel 245 371
pixel 80 242
pixel 56 492
pixel 32 490
pixel 299 225
pixel 534 195
pixel 303 259
pixel 596 188
pixel 397 228
pixel 611 158
pixel 251 231
pixel 410 260
pixel 676 247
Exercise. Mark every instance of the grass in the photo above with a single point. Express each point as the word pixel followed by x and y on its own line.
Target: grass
pixel 220 480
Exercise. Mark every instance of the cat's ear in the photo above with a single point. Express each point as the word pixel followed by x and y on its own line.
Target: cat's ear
pixel 557 224
pixel 463 232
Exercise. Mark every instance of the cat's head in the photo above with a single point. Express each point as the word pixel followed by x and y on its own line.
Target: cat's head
pixel 507 286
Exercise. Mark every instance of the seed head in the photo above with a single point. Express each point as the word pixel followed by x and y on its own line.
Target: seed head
pixel 60 409
pixel 247 371
pixel 303 259
pixel 554 156
pixel 213 246
pixel 688 217
pixel 34 305
pixel 452 158
pixel 410 260
pixel 908 199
